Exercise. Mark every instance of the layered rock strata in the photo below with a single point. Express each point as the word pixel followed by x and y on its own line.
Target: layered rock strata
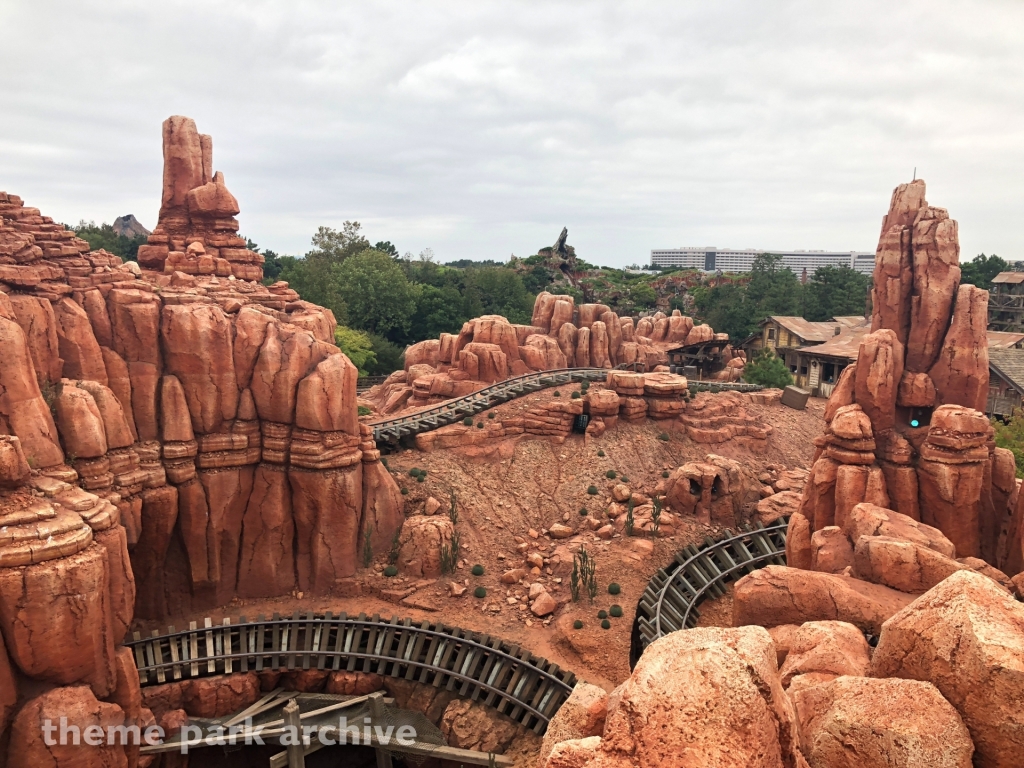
pixel 168 442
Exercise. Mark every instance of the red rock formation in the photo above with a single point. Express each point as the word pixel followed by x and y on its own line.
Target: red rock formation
pixel 966 637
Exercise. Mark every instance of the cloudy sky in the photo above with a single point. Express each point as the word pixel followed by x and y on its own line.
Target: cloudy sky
pixel 479 129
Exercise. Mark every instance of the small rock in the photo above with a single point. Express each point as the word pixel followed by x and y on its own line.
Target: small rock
pixel 621 492
pixel 513 576
pixel 456 589
pixel 535 559
pixel 536 589
pixel 431 506
pixel 533 534
pixel 544 605
pixel 559 531
pixel 606 532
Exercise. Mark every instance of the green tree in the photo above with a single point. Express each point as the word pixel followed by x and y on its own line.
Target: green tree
pixel 773 289
pixel 334 246
pixel 386 246
pixel 834 291
pixel 643 296
pixel 981 269
pixel 767 369
pixel 438 310
pixel 497 291
pixel 376 292
pixel 1011 436
pixel 103 236
pixel 390 357
pixel 725 307
pixel 318 281
pixel 357 346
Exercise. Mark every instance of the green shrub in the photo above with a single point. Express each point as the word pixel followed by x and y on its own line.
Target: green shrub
pixel 767 369
pixel 478 570
pixel 414 472
pixel 490 415
pixel 420 478
pixel 468 421
pixel 583 512
pixel 384 461
pixel 665 474
pixel 577 624
pixel 624 479
pixel 606 624
pixel 557 393
pixel 610 474
pixel 423 473
pixel 592 490
pixel 663 436
pixel 615 611
pixel 391 570
pixel 575 395
pixel 602 614
pixel 363 410
pixel 600 453
pixel 479 425
pixel 480 592
pixel 614 589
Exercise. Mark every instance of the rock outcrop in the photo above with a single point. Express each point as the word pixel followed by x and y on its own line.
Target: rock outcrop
pixel 173 434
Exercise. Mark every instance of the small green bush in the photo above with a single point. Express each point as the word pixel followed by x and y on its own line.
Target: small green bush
pixel 592 490
pixel 421 478
pixel 602 614
pixel 405 491
pixel 606 624
pixel 624 479
pixel 583 512
pixel 478 570
pixel 414 472
pixel 614 589
pixel 615 611
pixel 490 415
pixel 575 395
pixel 423 473
pixel 610 474
pixel 577 624
pixel 663 436
pixel 665 473
pixel 480 592
pixel 468 421
pixel 479 425
pixel 363 410
pixel 391 570
pixel 557 393
pixel 384 461
pixel 600 453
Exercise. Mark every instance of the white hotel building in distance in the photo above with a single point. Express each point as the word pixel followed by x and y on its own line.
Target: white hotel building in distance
pixel 711 259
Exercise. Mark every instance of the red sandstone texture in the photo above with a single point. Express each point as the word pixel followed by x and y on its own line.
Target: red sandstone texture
pixel 171 437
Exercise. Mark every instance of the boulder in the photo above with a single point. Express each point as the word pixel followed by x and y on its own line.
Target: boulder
pixel 80 422
pixel 472 725
pixel 704 697
pixel 831 647
pixel 77 343
pixel 831 551
pixel 798 542
pixel 420 544
pixel 14 468
pixel 868 723
pixel 30 748
pixel 581 716
pixel 872 520
pixel 966 637
pixel 900 564
pixel 778 594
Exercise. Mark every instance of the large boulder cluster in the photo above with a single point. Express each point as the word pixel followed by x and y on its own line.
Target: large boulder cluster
pixel 490 349
pixel 170 438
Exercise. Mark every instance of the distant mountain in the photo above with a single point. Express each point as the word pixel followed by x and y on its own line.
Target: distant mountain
pixel 129 226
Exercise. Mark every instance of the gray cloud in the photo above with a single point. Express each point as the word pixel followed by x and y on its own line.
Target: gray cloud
pixel 480 128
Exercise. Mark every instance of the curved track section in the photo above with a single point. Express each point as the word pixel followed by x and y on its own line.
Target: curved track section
pixel 673 595
pixel 516 683
pixel 394 429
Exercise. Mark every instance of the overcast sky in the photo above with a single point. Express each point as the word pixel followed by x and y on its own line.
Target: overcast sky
pixel 479 129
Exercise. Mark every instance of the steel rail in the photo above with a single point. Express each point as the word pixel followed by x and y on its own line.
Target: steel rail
pixel 674 593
